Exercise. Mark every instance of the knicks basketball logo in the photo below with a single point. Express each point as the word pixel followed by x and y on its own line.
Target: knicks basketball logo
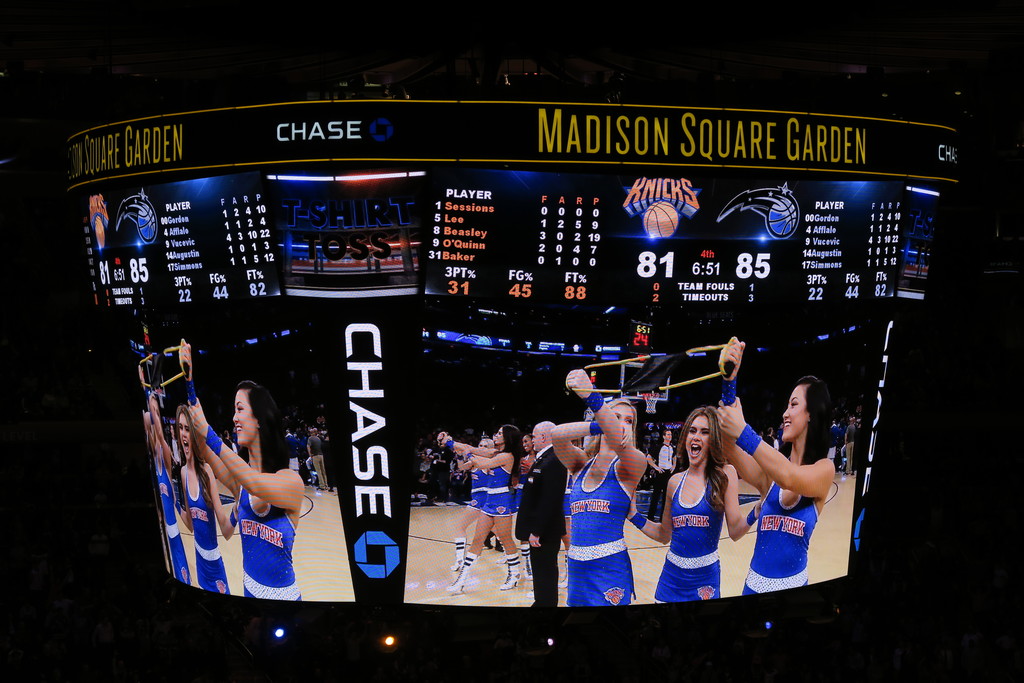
pixel 706 592
pixel 614 595
pixel 661 202
pixel 776 205
pixel 222 587
pixel 501 509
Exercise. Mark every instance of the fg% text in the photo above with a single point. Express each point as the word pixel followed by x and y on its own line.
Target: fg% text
pixel 522 287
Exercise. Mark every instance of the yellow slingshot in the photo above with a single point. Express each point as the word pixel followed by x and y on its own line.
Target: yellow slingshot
pixel 151 358
pixel 650 397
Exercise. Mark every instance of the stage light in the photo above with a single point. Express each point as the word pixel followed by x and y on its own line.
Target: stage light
pixel 388 643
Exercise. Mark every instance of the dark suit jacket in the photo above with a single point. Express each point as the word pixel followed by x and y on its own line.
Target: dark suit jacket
pixel 540 510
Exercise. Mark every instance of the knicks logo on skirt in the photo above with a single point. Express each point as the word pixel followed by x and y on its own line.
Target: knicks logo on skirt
pixel 614 595
pixel 706 592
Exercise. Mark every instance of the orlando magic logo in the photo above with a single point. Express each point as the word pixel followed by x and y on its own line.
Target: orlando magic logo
pixel 137 211
pixel 776 204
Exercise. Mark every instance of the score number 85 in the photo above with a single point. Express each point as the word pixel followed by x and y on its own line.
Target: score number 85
pixel 758 265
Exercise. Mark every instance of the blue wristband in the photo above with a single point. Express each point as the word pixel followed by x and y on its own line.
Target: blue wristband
pixel 595 401
pixel 450 444
pixel 638 520
pixel 728 391
pixel 213 441
pixel 595 428
pixel 749 440
pixel 752 516
pixel 190 389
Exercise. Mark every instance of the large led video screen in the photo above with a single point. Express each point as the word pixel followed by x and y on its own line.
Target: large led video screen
pixel 363 380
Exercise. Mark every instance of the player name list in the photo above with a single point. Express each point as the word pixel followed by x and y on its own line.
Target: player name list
pixel 851 251
pixel 521 245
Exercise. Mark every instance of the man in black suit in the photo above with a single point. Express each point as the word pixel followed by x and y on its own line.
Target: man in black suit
pixel 540 521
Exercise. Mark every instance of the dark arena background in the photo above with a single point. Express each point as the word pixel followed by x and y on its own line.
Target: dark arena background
pixel 424 228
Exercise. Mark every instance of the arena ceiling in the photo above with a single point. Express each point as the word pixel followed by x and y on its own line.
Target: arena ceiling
pixel 448 52
pixel 64 64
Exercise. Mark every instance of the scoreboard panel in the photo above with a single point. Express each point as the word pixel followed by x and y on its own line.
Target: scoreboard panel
pixel 615 239
pixel 176 243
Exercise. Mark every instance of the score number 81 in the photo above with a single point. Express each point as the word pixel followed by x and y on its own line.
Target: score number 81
pixel 758 265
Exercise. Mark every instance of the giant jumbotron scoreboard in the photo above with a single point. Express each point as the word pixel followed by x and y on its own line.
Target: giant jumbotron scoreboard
pixel 361 211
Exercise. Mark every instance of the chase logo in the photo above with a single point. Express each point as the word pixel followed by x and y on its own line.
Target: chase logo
pixel 389 550
pixel 381 130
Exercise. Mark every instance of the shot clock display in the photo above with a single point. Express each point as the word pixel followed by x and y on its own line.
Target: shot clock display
pixel 640 337
pixel 662 240
pixel 196 240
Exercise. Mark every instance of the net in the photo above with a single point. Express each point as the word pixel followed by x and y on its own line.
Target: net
pixel 650 400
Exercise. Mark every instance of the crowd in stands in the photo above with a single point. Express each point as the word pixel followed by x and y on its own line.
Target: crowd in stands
pixel 87 599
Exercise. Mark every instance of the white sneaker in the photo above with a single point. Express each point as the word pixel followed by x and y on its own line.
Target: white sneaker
pixel 511 581
pixel 459 585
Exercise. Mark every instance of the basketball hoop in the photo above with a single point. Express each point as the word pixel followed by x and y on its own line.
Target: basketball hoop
pixel 650 400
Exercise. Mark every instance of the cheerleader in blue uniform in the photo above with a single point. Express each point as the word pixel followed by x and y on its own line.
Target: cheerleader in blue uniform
pixel 203 509
pixel 268 492
pixel 564 583
pixel 794 487
pixel 699 498
pixel 605 481
pixel 502 463
pixel 479 483
pixel 162 462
